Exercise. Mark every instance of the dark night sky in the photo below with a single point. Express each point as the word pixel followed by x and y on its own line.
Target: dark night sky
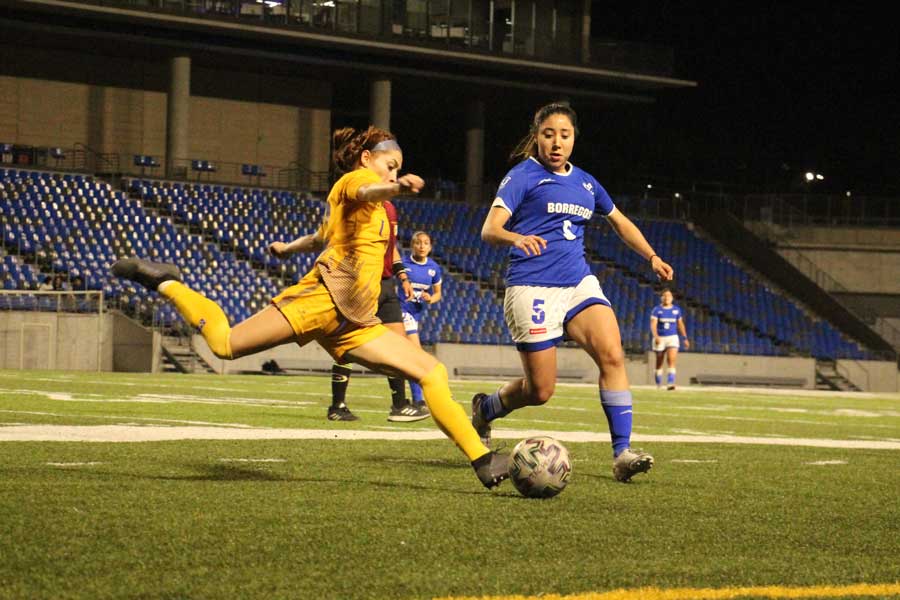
pixel 781 86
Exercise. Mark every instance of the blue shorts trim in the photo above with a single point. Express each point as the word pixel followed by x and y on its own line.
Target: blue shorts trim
pixel 583 305
pixel 537 346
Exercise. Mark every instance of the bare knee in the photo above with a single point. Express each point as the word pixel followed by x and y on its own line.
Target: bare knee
pixel 612 359
pixel 539 393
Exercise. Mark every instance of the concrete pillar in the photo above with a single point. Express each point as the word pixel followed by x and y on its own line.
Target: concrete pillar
pixel 315 147
pixel 586 32
pixel 178 112
pixel 380 103
pixel 474 150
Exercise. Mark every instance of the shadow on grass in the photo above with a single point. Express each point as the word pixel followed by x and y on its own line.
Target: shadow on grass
pixel 226 473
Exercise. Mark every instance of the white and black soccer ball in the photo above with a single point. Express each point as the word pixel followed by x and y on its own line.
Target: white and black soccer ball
pixel 539 467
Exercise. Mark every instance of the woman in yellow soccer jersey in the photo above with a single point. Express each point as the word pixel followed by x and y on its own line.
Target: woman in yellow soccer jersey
pixel 335 303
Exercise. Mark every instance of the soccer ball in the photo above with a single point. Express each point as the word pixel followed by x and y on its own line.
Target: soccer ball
pixel 539 467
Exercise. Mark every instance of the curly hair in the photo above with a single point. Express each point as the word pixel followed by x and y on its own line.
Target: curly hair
pixel 527 146
pixel 349 143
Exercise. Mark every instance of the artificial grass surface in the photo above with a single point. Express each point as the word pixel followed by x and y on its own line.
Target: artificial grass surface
pixel 408 519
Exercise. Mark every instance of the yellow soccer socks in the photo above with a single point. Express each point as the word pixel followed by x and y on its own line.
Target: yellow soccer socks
pixel 449 416
pixel 202 313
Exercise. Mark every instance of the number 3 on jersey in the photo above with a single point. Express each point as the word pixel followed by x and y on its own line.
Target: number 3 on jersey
pixel 567 230
pixel 538 317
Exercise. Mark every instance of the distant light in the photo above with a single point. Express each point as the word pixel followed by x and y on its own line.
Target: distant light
pixel 810 175
pixel 649 186
pixel 677 195
pixel 848 193
pixel 819 177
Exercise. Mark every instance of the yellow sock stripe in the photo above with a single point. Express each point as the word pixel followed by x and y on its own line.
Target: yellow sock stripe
pixel 877 590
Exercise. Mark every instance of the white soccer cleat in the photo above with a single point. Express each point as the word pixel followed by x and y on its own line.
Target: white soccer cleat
pixel 630 463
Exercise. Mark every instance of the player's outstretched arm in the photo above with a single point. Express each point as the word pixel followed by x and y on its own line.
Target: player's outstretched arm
pixel 634 239
pixel 406 185
pixel 305 243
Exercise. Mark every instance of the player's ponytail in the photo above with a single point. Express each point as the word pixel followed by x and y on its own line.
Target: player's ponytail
pixel 527 146
pixel 349 143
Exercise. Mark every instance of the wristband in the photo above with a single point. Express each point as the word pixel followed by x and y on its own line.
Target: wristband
pixel 398 269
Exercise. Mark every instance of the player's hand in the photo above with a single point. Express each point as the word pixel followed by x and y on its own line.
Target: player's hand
pixel 426 297
pixel 278 249
pixel 663 270
pixel 655 341
pixel 407 290
pixel 687 344
pixel 531 245
pixel 411 184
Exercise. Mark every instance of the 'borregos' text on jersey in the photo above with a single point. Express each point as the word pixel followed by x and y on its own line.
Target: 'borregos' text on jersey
pixel 555 207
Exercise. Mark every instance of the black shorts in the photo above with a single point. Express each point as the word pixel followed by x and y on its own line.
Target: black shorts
pixel 389 303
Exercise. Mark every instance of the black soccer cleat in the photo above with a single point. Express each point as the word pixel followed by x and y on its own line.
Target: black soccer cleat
pixel 341 413
pixel 145 272
pixel 481 425
pixel 408 413
pixel 491 469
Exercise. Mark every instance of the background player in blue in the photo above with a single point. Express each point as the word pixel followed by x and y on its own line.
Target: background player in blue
pixel 666 324
pixel 425 278
pixel 541 210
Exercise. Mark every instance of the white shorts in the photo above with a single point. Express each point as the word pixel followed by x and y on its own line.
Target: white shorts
pixel 666 341
pixel 536 316
pixel 410 323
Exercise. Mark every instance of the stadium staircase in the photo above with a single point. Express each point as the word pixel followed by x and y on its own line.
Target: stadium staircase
pixel 178 356
pixel 828 378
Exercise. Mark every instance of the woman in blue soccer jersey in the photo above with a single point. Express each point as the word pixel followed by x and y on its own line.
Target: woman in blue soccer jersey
pixel 425 277
pixel 666 324
pixel 541 209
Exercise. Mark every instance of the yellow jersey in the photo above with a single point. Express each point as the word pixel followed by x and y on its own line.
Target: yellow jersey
pixel 356 236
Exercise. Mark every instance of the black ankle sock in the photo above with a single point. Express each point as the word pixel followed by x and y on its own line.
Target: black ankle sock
pixel 340 378
pixel 398 391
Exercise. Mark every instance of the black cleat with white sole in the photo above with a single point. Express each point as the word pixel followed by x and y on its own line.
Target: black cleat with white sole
pixel 145 272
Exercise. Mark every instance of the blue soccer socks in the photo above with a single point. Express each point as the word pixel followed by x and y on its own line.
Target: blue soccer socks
pixel 617 405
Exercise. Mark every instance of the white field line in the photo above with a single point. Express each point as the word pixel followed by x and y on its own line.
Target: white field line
pixel 125 433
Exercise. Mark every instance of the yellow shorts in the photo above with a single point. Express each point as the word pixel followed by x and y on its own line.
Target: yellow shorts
pixel 309 309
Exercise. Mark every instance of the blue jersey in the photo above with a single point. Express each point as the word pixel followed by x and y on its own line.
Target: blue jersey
pixel 666 319
pixel 422 277
pixel 555 207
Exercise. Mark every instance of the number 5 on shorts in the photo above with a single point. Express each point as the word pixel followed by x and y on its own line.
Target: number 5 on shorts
pixel 538 317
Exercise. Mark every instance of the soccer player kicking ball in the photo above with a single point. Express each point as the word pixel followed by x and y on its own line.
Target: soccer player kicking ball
pixel 335 303
pixel 547 202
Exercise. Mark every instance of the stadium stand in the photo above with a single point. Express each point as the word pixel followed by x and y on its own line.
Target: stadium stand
pixel 77 225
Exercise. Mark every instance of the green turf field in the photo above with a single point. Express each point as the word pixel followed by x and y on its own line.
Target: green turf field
pixel 749 490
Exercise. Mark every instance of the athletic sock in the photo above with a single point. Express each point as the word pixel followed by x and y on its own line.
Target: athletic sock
pixel 449 415
pixel 398 391
pixel 658 376
pixel 340 379
pixel 202 313
pixel 416 391
pixel 492 407
pixel 670 378
pixel 617 405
